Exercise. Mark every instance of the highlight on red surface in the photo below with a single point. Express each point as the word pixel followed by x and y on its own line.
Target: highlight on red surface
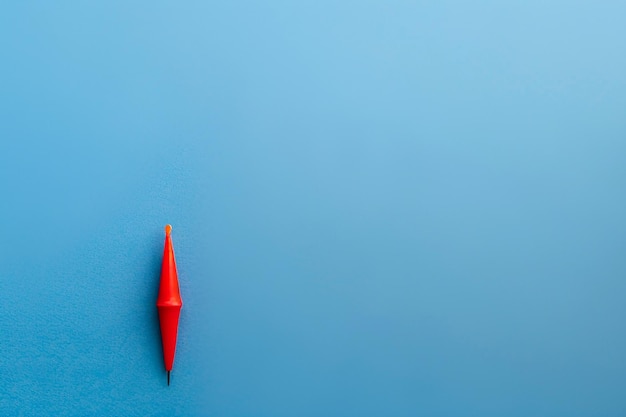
pixel 169 303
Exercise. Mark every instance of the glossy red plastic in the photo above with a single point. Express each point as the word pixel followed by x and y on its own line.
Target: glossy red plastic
pixel 169 302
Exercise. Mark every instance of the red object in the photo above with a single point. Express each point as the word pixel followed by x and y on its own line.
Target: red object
pixel 169 303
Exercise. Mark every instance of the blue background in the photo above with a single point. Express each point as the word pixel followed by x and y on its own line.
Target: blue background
pixel 380 208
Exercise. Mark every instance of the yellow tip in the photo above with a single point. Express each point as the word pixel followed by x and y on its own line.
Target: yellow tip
pixel 168 229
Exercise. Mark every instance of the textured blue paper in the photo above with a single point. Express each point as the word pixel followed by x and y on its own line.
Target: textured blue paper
pixel 380 208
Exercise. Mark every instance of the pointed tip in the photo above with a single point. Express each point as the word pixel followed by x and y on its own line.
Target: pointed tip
pixel 168 378
pixel 168 229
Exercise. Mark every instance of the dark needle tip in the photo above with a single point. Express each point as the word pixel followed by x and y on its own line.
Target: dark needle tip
pixel 168 378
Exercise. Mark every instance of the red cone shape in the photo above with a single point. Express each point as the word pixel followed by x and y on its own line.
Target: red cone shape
pixel 169 302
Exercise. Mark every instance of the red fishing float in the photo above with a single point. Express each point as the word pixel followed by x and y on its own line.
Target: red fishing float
pixel 169 303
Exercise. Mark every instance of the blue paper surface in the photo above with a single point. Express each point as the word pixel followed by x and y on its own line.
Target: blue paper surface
pixel 380 208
